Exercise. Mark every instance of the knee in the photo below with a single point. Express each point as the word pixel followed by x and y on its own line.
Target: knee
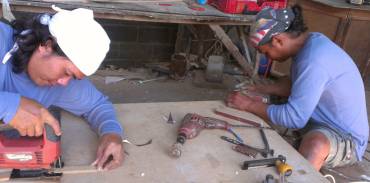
pixel 315 145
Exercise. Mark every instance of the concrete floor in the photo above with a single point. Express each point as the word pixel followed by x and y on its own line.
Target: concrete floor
pixel 128 91
pixel 166 90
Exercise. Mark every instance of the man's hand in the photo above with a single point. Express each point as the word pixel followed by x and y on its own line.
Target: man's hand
pixel 280 88
pixel 30 119
pixel 110 152
pixel 257 88
pixel 239 101
pixel 250 104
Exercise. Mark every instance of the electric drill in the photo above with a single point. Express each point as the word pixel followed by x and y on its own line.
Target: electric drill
pixel 191 126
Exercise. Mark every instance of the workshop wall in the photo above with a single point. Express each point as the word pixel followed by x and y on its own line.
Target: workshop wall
pixel 137 43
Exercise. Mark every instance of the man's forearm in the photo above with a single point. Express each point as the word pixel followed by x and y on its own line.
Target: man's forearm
pixel 260 109
pixel 281 88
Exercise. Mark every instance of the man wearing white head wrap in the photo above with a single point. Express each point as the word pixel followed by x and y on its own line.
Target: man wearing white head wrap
pixel 325 93
pixel 44 62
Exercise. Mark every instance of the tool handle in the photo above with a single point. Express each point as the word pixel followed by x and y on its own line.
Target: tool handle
pixel 245 150
pixel 48 130
pixel 258 163
pixel 267 146
pixel 50 134
pixel 214 123
pixel 284 168
pixel 226 115
pixel 230 140
pixel 264 139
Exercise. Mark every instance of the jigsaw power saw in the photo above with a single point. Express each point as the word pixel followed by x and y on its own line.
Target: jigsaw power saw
pixel 31 156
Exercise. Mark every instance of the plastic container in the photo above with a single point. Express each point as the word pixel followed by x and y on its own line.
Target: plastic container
pixel 246 6
pixel 202 2
pixel 215 68
pixel 230 6
pixel 264 66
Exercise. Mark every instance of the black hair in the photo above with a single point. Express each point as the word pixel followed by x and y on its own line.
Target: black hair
pixel 29 34
pixel 298 25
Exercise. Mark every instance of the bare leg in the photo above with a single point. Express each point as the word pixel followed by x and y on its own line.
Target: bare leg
pixel 315 147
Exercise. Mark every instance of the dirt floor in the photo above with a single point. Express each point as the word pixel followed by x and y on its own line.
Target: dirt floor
pixel 124 86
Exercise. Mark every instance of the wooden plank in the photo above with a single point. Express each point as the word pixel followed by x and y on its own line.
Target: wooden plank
pixel 245 45
pixel 205 158
pixel 179 37
pixel 220 33
pixel 178 12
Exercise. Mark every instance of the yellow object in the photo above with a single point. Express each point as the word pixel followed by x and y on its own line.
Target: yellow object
pixel 284 168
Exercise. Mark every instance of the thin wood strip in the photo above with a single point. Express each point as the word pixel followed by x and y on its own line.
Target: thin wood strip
pixel 78 170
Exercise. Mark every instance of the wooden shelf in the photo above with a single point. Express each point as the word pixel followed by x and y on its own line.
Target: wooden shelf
pixel 169 12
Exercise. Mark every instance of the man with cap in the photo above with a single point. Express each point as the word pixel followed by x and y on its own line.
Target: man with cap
pixel 44 63
pixel 326 96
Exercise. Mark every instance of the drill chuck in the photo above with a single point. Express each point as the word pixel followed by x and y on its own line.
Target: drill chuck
pixel 175 150
pixel 181 138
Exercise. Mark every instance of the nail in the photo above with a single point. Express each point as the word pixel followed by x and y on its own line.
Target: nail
pixel 126 141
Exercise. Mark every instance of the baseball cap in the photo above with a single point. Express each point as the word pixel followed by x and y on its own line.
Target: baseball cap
pixel 270 22
pixel 80 37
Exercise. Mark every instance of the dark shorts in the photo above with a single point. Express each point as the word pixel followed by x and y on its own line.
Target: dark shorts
pixel 342 148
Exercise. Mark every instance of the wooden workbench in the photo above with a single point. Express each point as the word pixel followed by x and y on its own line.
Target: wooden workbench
pixel 205 159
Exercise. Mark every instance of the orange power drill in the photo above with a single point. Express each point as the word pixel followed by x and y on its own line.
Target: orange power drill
pixel 192 125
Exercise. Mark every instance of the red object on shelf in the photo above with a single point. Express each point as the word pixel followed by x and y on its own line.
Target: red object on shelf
pixel 230 6
pixel 246 6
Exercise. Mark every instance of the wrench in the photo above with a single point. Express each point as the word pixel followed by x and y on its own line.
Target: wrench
pixel 267 149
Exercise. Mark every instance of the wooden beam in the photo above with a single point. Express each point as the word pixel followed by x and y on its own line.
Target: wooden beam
pixel 179 37
pixel 220 33
pixel 245 45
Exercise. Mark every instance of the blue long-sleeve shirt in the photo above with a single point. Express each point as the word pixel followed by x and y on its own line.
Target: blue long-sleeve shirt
pixel 327 87
pixel 79 97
